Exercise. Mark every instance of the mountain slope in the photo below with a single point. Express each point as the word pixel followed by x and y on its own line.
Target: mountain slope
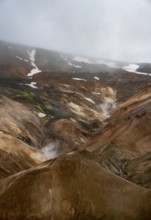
pixel 62 190
pixel 74 136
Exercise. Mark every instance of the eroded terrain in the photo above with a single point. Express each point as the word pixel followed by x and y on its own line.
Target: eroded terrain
pixel 75 138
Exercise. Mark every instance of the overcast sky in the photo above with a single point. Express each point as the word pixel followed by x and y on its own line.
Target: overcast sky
pixel 113 29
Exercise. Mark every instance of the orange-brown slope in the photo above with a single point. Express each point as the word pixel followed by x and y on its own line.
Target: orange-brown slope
pixel 128 128
pixel 124 142
pixel 68 135
pixel 72 187
pixel 19 121
pixel 15 155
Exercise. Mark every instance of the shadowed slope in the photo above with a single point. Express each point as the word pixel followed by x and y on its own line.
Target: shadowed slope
pixel 128 128
pixel 20 121
pixel 15 156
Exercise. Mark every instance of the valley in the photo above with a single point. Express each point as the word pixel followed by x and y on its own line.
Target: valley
pixel 75 136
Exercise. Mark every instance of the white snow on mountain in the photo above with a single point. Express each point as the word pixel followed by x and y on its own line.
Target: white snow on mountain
pixel 35 70
pixel 133 68
pixel 69 63
pixel 87 60
pixel 82 60
pixel 97 78
pixel 79 79
pixel 94 61
pixel 76 66
pixel 89 100
pixel 41 115
pixel 22 59
pixel 32 85
pixel 19 58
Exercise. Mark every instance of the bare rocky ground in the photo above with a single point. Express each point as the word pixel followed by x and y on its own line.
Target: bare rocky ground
pixel 75 138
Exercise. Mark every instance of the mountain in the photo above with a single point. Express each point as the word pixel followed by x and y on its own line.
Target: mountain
pixel 74 136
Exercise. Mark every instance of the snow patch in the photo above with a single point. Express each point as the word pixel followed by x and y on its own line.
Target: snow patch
pixel 41 115
pixel 97 78
pixel 19 58
pixel 96 61
pixel 79 79
pixel 133 68
pixel 89 100
pixel 82 60
pixel 32 85
pixel 22 59
pixel 146 74
pixel 69 63
pixel 76 66
pixel 35 70
pixel 88 61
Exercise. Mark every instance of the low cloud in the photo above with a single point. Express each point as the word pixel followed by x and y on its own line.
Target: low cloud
pixel 111 29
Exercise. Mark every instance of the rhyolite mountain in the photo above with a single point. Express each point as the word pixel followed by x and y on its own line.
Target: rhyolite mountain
pixel 75 139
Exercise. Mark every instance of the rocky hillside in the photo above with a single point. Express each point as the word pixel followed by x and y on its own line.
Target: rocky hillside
pixel 75 137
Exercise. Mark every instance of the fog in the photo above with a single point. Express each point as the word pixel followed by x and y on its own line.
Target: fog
pixel 112 29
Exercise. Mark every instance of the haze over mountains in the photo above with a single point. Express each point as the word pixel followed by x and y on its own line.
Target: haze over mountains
pixel 75 137
pixel 110 29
